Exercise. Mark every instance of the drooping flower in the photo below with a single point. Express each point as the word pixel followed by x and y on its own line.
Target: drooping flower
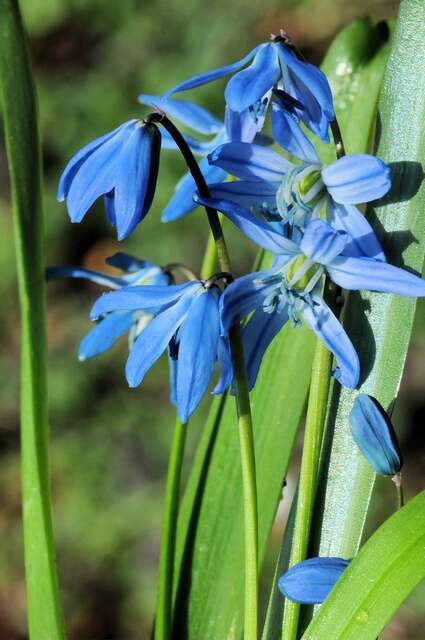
pixel 373 433
pixel 291 290
pixel 237 127
pixel 113 325
pixel 272 186
pixel 300 90
pixel 187 322
pixel 310 581
pixel 122 166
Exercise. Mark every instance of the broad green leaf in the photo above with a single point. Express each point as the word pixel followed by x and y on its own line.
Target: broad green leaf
pixel 24 158
pixel 380 325
pixel 209 600
pixel 376 582
pixel 354 66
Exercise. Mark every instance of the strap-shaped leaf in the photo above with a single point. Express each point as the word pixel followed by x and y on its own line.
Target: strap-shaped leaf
pixel 355 60
pixel 376 582
pixel 380 325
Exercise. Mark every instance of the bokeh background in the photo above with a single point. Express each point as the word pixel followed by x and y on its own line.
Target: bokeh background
pixel 109 443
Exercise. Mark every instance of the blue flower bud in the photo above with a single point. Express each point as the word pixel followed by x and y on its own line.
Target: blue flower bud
pixel 373 433
pixel 310 581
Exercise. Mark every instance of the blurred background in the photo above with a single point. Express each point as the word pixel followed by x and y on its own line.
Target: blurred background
pixel 109 444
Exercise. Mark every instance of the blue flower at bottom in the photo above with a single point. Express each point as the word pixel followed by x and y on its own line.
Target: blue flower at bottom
pixel 122 166
pixel 310 581
pixel 187 322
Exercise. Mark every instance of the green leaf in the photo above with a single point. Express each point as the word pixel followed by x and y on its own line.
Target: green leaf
pixel 380 325
pixel 210 562
pixel 376 582
pixel 354 66
pixel 23 150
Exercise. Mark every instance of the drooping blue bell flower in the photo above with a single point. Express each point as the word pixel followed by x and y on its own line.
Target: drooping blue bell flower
pixel 291 290
pixel 310 581
pixel 112 326
pixel 187 322
pixel 373 433
pixel 237 127
pixel 298 88
pixel 122 166
pixel 277 189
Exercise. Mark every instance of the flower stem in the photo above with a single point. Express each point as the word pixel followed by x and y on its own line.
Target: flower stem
pixel 313 436
pixel 163 619
pixel 24 158
pixel 246 436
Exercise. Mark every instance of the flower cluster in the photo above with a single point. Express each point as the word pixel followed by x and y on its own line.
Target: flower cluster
pixel 301 211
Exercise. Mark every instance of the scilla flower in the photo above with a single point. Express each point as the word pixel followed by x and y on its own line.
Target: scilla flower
pixel 237 127
pixel 291 290
pixel 294 194
pixel 373 433
pixel 187 321
pixel 122 166
pixel 310 581
pixel 112 326
pixel 300 88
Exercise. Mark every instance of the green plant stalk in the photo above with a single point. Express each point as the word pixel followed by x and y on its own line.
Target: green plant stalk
pixel 313 436
pixel 24 157
pixel 163 619
pixel 246 436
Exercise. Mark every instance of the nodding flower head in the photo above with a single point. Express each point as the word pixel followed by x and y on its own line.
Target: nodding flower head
pixel 122 166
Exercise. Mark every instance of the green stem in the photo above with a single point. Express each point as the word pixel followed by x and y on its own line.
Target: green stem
pixel 246 436
pixel 23 150
pixel 163 619
pixel 313 437
pixel 399 489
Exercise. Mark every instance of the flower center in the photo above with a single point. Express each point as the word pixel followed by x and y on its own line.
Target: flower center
pixel 301 191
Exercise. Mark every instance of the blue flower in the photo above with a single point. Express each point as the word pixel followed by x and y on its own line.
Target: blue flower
pixel 112 326
pixel 291 290
pixel 123 167
pixel 300 89
pixel 310 581
pixel 187 322
pixel 272 186
pixel 373 433
pixel 237 127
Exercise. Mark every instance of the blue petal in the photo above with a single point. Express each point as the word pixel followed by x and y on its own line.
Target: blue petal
pixel 251 84
pixel 181 202
pixel 135 179
pixel 215 74
pixel 325 325
pixel 321 242
pixel 96 175
pixel 357 178
pixel 310 581
pixel 105 334
pixel 190 114
pixel 108 201
pixel 288 133
pixel 250 161
pixel 257 334
pixel 172 367
pixel 241 126
pixel 253 195
pixel 363 241
pixel 144 297
pixel 373 433
pixel 128 263
pixel 243 296
pixel 54 273
pixel 259 232
pixel 153 340
pixel 225 364
pixel 197 352
pixel 312 77
pixel 78 159
pixel 372 275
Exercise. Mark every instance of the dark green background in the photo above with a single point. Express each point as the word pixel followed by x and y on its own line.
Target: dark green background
pixel 109 443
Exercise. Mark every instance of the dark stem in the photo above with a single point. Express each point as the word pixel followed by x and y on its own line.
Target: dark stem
pixel 337 136
pixel 201 184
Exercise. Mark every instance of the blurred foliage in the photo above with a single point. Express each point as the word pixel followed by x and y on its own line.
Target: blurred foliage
pixel 109 444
